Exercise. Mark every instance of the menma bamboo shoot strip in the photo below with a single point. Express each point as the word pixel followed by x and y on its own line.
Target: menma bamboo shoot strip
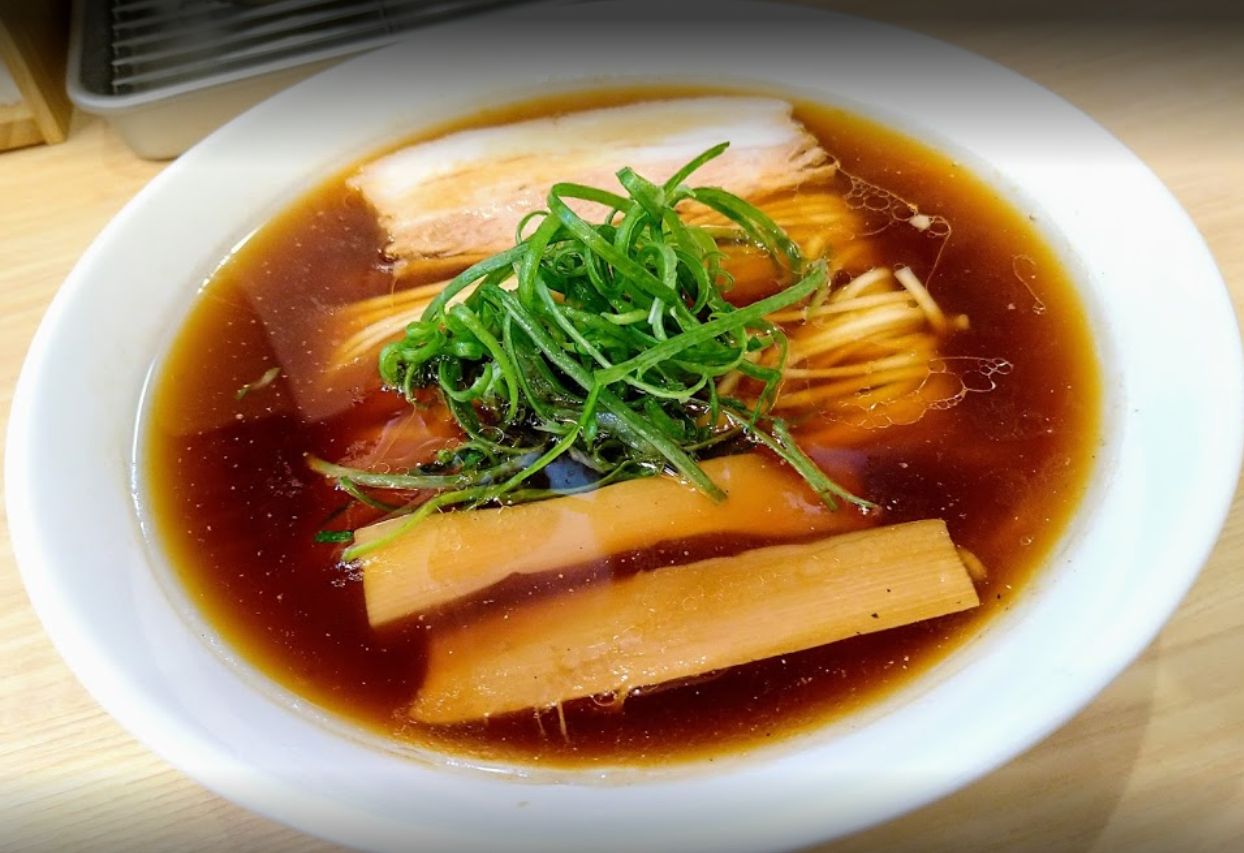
pixel 678 622
pixel 453 554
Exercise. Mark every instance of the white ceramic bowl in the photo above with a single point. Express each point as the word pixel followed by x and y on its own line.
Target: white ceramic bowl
pixel 1158 497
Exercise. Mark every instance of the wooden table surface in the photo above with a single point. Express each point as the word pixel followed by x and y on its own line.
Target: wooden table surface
pixel 1157 759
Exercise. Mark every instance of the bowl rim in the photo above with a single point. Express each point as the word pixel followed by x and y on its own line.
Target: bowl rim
pixel 193 746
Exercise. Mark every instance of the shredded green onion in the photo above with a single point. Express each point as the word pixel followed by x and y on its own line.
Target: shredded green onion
pixel 607 352
pixel 269 376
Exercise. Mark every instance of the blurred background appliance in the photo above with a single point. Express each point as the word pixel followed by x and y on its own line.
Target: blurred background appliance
pixel 166 73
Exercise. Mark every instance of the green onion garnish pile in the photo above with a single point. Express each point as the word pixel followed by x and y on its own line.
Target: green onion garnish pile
pixel 608 352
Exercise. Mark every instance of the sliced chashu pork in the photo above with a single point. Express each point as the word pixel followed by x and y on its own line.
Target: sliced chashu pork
pixel 465 193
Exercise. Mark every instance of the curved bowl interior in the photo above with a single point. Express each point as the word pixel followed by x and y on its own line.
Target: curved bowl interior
pixel 1154 509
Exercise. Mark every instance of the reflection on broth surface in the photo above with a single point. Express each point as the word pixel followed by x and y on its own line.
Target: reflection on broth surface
pixel 982 414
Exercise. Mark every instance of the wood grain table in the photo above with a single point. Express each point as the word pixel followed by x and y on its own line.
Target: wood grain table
pixel 1156 762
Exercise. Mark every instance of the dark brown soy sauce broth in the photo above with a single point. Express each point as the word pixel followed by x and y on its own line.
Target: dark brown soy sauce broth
pixel 237 508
